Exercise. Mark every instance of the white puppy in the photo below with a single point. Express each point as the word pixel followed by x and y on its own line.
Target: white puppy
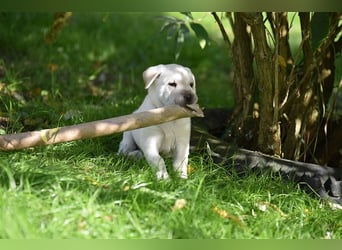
pixel 167 85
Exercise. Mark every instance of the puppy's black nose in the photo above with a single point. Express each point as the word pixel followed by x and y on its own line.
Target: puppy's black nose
pixel 189 98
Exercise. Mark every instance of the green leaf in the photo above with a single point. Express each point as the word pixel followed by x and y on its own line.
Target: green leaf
pixel 201 34
pixel 168 19
pixel 183 32
pixel 179 43
pixel 166 26
pixel 188 14
pixel 170 28
pixel 184 29
pixel 319 28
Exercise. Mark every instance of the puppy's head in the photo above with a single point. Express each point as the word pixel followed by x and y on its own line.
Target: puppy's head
pixel 170 84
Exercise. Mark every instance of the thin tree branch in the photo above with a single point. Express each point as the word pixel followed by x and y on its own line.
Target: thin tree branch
pixel 223 31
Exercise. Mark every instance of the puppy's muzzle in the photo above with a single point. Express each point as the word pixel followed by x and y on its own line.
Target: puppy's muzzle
pixel 185 98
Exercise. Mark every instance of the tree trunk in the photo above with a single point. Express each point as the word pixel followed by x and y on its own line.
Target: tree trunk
pixel 269 131
pixel 303 113
pixel 243 59
pixel 243 81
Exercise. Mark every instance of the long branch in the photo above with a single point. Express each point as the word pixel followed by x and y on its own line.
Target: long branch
pixel 97 128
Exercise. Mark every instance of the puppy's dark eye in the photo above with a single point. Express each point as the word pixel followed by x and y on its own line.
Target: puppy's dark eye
pixel 191 84
pixel 173 84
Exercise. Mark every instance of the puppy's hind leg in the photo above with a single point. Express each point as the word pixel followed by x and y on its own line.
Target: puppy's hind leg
pixel 129 147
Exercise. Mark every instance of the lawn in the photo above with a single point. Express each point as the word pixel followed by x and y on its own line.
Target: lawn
pixel 82 189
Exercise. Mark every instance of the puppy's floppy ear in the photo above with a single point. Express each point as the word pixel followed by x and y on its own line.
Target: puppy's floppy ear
pixel 150 75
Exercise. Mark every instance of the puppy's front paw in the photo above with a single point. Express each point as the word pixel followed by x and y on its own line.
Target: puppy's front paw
pixel 183 175
pixel 162 175
pixel 182 172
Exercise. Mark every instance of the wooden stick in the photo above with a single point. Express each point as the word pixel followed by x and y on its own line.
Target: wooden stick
pixel 97 128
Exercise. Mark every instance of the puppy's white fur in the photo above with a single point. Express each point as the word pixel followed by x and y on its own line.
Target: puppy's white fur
pixel 167 84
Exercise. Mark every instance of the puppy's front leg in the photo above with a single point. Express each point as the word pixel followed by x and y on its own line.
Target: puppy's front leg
pixel 155 160
pixel 180 160
pixel 149 140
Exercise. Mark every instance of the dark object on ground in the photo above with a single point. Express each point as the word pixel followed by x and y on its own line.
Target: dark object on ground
pixel 326 182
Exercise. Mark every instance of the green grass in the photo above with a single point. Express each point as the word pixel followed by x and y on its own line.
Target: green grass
pixel 82 189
